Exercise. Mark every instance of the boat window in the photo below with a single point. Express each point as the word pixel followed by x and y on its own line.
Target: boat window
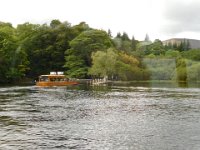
pixel 43 78
pixel 52 79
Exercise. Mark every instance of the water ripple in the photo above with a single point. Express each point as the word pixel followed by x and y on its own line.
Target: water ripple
pixel 107 117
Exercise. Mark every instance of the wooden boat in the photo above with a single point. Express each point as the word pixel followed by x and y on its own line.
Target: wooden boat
pixel 55 79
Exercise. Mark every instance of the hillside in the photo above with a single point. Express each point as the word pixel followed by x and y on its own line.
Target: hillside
pixel 194 44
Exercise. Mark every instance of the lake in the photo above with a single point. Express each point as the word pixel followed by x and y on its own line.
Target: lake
pixel 112 117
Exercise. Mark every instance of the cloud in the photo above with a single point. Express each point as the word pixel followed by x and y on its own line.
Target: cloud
pixel 181 16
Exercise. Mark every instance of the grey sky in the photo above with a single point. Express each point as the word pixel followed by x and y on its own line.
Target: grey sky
pixel 161 19
pixel 181 16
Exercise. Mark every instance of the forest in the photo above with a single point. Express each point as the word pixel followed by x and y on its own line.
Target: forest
pixel 82 52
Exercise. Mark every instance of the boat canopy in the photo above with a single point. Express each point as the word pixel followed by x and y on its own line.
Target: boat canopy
pixel 53 78
pixel 57 73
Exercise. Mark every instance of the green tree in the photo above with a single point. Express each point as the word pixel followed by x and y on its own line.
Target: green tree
pixel 125 37
pixel 133 43
pixel 123 43
pixel 117 43
pixel 81 27
pixel 172 53
pixel 104 63
pixel 118 35
pixel 45 46
pixel 193 54
pixel 13 59
pixel 109 33
pixel 55 23
pixel 115 65
pixel 128 67
pixel 188 46
pixel 25 31
pixel 181 70
pixel 82 47
pixel 193 70
pixel 155 48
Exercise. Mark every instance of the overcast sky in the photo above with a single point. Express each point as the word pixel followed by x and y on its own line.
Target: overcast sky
pixel 161 19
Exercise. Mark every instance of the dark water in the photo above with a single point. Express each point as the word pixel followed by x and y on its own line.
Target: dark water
pixel 103 117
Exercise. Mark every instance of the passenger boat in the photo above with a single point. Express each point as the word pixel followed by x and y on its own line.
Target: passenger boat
pixel 55 79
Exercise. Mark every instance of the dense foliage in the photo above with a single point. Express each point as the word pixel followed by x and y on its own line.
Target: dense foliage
pixel 83 52
pixel 78 57
pixel 13 58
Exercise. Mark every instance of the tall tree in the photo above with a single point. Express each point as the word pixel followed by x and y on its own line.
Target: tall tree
pixel 181 69
pixel 82 47
pixel 188 46
pixel 115 64
pixel 104 63
pixel 133 43
pixel 109 33
pixel 13 59
pixel 147 39
pixel 122 42
pixel 81 27
pixel 55 23
pixel 46 46
pixel 118 35
pixel 125 37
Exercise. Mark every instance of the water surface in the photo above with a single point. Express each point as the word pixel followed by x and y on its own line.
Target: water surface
pixel 100 117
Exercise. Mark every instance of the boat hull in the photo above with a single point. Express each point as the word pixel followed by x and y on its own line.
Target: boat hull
pixel 56 83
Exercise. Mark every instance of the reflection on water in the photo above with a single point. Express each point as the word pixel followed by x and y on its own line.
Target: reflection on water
pixel 100 117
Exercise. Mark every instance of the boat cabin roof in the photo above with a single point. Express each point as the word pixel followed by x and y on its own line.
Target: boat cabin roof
pixel 53 76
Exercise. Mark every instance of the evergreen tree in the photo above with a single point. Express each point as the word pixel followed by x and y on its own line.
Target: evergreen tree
pixel 181 46
pixel 133 43
pixel 188 46
pixel 170 45
pixel 147 38
pixel 125 37
pixel 184 45
pixel 118 35
pixel 175 46
pixel 109 33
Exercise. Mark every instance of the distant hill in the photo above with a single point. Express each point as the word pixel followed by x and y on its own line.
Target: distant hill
pixel 194 44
